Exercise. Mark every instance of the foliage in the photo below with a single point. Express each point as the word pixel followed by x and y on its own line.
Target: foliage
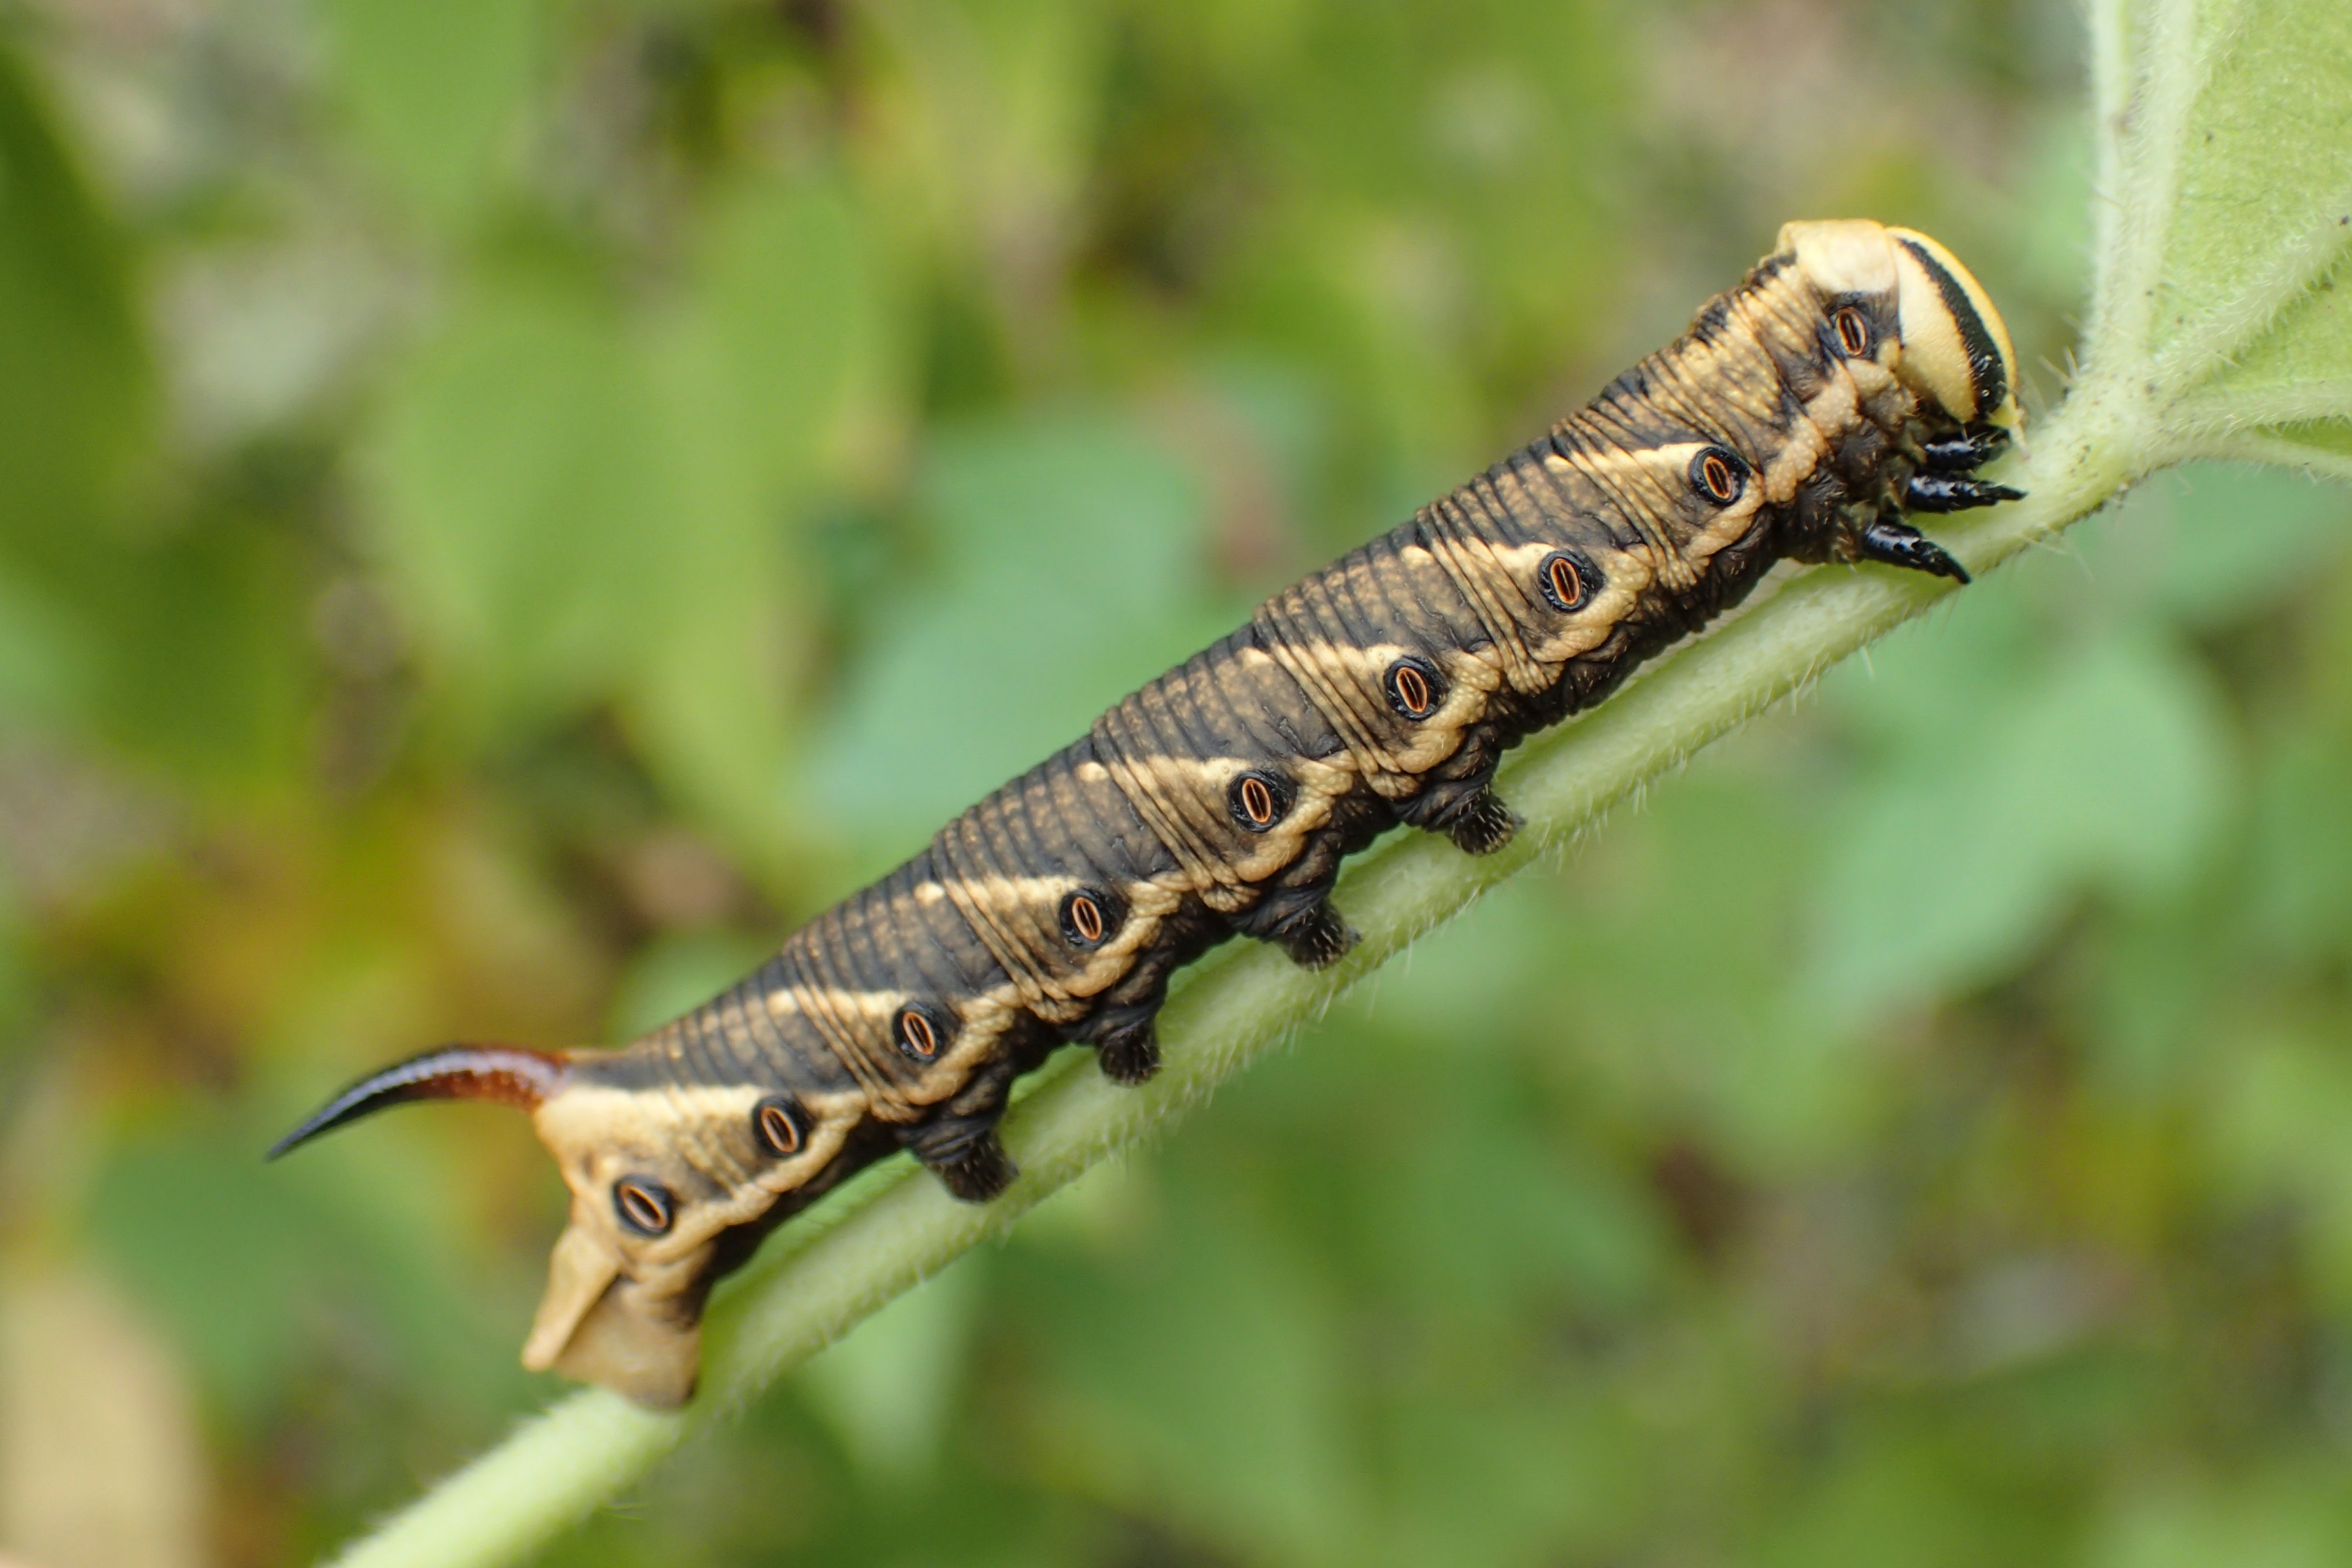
pixel 509 507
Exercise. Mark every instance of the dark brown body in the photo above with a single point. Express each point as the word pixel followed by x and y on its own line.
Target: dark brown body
pixel 1222 798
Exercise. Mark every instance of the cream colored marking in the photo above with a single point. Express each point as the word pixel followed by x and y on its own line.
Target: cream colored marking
pixel 1010 895
pixel 1727 525
pixel 1626 579
pixel 1334 700
pixel 1108 964
pixel 885 1095
pixel 1208 780
pixel 1471 565
pixel 1493 659
pixel 1668 471
pixel 980 1022
pixel 1934 357
pixel 848 1002
pixel 599 1134
pixel 1832 408
pixel 1650 484
pixel 1198 861
pixel 988 901
pixel 999 892
pixel 1012 955
pixel 1945 373
pixel 1840 256
pixel 1728 528
pixel 618 1306
pixel 1031 893
pixel 975 1042
pixel 1241 861
pixel 1350 676
pixel 1872 380
pixel 994 1009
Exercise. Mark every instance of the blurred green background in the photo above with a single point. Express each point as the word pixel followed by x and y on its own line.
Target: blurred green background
pixel 506 506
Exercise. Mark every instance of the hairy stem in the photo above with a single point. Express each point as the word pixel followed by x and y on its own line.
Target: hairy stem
pixel 815 1284
pixel 2257 447
pixel 2233 408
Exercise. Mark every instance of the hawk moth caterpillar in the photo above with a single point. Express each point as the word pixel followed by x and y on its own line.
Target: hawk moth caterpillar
pixel 1859 371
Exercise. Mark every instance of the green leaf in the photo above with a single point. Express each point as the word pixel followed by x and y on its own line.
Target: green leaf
pixel 576 505
pixel 891 1391
pixel 518 497
pixel 2214 542
pixel 763 371
pixel 2300 873
pixel 2230 158
pixel 2264 178
pixel 436 92
pixel 2102 770
pixel 204 669
pixel 76 397
pixel 1204 1383
pixel 2279 1099
pixel 348 1239
pixel 45 658
pixel 780 329
pixel 2280 1516
pixel 1072 566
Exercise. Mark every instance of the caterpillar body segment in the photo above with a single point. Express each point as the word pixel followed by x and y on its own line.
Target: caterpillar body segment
pixel 1857 372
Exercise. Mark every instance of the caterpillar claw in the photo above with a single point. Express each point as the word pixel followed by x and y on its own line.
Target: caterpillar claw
pixel 1946 492
pixel 1900 545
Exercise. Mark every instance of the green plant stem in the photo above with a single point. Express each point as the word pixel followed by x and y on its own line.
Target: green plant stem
pixel 816 1282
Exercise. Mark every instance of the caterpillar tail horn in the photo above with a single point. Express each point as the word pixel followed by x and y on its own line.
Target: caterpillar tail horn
pixel 632 1324
pixel 508 1074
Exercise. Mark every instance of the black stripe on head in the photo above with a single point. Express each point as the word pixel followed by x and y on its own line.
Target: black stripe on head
pixel 1988 376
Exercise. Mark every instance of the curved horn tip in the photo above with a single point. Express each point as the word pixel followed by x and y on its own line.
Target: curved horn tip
pixel 511 1075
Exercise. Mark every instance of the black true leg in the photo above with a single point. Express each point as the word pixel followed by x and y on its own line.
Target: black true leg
pixel 1949 492
pixel 963 1151
pixel 1900 545
pixel 1970 449
pixel 1941 485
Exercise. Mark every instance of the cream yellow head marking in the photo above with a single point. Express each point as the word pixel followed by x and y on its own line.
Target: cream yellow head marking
pixel 1955 350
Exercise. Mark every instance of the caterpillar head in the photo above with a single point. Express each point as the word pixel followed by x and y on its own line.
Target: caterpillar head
pixel 670 1188
pixel 1954 350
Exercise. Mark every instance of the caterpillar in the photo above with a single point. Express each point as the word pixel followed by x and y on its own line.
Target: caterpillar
pixel 1859 371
